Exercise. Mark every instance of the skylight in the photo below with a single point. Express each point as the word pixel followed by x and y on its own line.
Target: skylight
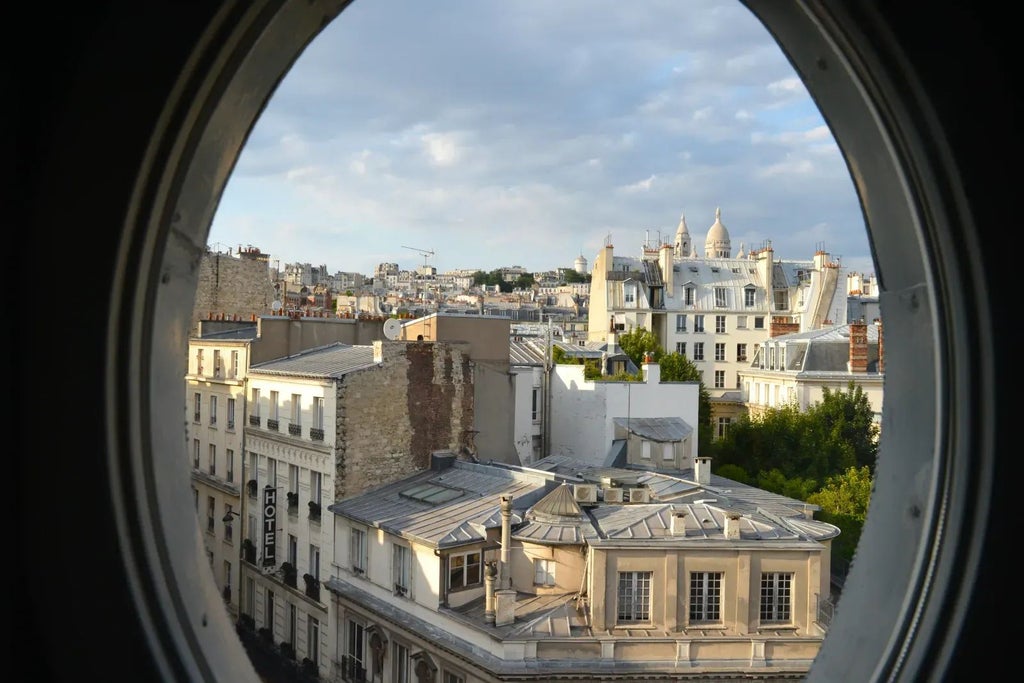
pixel 430 493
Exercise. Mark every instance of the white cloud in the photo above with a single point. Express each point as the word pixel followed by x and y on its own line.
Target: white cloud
pixel 441 148
pixel 555 124
pixel 641 186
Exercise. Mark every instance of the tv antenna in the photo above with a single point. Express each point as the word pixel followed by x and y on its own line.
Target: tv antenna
pixel 427 253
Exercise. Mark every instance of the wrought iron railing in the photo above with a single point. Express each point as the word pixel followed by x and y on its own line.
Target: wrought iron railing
pixel 272 425
pixel 316 434
pixel 352 670
pixel 254 420
pixel 294 429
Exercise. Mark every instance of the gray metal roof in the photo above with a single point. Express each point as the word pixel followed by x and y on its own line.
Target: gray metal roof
pixel 526 352
pixel 456 506
pixel 401 508
pixel 332 361
pixel 661 429
pixel 825 350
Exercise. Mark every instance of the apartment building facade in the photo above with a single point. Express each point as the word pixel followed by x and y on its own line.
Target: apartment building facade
pixel 716 307
pixel 471 573
pixel 215 428
pixel 322 425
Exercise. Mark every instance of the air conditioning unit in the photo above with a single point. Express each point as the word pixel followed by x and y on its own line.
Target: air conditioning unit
pixel 585 493
pixel 639 495
pixel 613 495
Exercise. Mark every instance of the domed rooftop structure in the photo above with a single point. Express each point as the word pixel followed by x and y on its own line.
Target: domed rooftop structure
pixel 717 244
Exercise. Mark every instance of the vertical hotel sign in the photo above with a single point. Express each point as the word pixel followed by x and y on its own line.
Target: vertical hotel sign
pixel 269 526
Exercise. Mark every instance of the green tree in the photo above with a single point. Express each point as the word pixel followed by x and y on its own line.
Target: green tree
pixel 639 342
pixel 571 276
pixel 846 417
pixel 848 493
pixel 524 281
pixel 844 502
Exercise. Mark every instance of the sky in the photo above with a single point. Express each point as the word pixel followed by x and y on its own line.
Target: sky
pixel 478 134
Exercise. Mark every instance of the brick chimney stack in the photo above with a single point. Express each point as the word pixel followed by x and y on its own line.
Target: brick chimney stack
pixel 858 347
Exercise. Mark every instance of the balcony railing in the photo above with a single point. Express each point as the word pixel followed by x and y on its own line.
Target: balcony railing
pixel 352 670
pixel 294 429
pixel 316 434
pixel 254 420
pixel 272 425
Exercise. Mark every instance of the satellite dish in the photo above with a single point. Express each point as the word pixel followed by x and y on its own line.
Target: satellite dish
pixel 275 306
pixel 392 328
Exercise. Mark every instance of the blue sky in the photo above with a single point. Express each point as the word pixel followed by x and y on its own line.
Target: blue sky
pixel 528 132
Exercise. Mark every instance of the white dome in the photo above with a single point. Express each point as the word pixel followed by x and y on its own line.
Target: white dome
pixel 717 244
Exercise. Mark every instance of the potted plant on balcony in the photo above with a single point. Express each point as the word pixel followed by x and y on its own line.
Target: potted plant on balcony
pixel 309 668
pixel 314 510
pixel 312 586
pixel 289 573
pixel 251 485
pixel 293 501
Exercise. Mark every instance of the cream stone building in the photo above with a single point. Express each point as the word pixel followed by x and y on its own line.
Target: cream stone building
pixel 714 306
pixel 325 424
pixel 797 368
pixel 216 417
pixel 472 572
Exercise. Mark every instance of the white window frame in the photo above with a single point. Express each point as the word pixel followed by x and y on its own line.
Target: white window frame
pixel 544 571
pixel 318 412
pixel 749 297
pixel 705 597
pixel 721 297
pixel 461 562
pixel 776 598
pixel 719 324
pixel 633 597
pixel 401 562
pixel 719 379
pixel 698 351
pixel 720 352
pixel 698 322
pixel 357 550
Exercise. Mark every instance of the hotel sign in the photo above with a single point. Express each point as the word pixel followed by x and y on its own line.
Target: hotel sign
pixel 269 526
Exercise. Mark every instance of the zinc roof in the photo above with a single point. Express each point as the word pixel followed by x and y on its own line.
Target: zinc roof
pixel 660 429
pixel 332 361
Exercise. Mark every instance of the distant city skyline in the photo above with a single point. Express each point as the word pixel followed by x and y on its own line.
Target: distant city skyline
pixel 530 133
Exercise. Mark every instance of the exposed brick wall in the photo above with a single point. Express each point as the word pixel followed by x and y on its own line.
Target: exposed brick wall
pixel 392 417
pixel 233 287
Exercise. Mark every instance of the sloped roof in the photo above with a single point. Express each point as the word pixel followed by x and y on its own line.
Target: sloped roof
pixel 660 429
pixel 332 361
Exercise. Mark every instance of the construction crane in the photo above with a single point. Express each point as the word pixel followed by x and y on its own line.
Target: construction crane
pixel 427 253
